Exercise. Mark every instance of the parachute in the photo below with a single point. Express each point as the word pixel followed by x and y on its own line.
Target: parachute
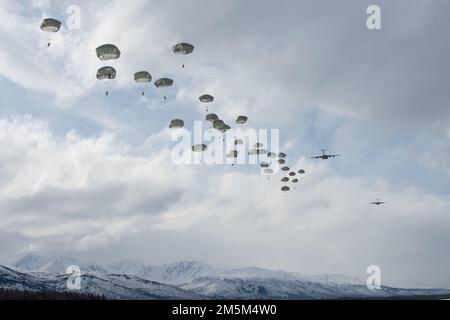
pixel 268 171
pixel 183 48
pixel 163 83
pixel 294 180
pixel 233 154
pixel 106 73
pixel 211 117
pixel 257 151
pixel 206 98
pixel 285 188
pixel 264 165
pixel 199 147
pixel 285 179
pixel 301 171
pixel 281 155
pixel 285 169
pixel 108 52
pixel 142 76
pixel 176 123
pixel 219 125
pixel 281 161
pixel 241 120
pixel 50 25
pixel 292 174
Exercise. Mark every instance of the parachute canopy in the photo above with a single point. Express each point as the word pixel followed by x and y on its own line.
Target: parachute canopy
pixel 241 120
pixel 163 82
pixel 282 155
pixel 281 161
pixel 268 171
pixel 264 165
pixel 50 25
pixel 285 179
pixel 206 98
pixel 211 117
pixel 142 76
pixel 294 180
pixel 108 52
pixel 183 48
pixel 285 169
pixel 292 173
pixel 106 73
pixel 262 151
pixel 285 188
pixel 176 123
pixel 301 171
pixel 199 147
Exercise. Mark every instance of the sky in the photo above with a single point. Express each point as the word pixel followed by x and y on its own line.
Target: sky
pixel 91 176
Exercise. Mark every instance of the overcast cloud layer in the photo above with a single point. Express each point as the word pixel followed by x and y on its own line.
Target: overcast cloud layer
pixel 91 176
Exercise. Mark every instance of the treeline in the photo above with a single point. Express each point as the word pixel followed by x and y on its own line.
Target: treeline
pixel 15 294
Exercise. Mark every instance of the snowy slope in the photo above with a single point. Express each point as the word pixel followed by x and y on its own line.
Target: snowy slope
pixel 172 273
pixel 277 288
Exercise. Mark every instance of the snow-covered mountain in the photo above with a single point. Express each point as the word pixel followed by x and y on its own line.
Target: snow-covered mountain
pixel 190 280
pixel 172 273
pixel 111 286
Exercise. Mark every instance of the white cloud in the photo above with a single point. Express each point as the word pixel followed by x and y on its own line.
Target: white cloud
pixel 76 193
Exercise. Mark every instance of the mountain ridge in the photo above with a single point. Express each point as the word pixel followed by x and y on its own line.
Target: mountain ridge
pixel 131 279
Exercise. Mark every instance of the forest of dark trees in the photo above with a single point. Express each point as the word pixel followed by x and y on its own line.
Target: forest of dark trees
pixel 14 294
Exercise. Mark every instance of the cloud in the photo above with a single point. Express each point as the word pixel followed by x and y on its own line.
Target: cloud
pixel 290 57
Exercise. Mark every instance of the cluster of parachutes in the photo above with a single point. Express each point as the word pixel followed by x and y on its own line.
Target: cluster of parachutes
pixel 106 73
pixel 111 52
pixel 216 122
pixel 291 176
pixel 280 158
